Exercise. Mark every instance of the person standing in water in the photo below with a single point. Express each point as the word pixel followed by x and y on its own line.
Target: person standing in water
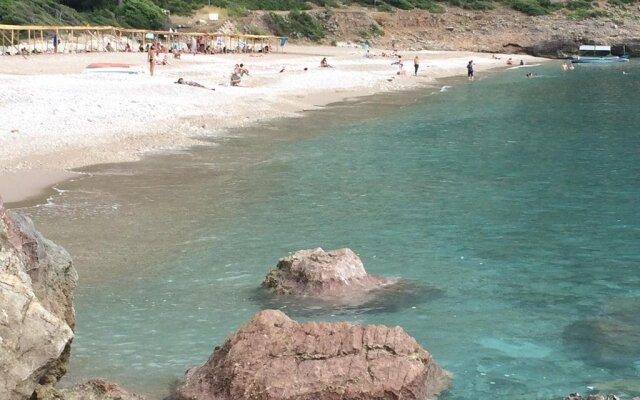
pixel 416 65
pixel 152 58
pixel 470 70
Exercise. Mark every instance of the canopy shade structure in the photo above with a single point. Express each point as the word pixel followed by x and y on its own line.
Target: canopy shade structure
pixel 592 47
pixel 38 38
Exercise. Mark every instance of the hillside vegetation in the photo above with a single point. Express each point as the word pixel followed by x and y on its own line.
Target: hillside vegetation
pixel 152 14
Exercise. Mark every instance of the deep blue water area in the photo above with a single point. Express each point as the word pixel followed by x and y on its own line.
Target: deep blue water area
pixel 511 204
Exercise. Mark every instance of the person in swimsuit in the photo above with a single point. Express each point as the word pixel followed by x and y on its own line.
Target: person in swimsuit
pixel 152 59
pixel 416 65
pixel 470 70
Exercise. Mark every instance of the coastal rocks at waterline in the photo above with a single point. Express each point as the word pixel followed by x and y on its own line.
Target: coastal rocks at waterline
pixel 37 280
pixel 317 273
pixel 276 358
pixel 96 389
pixel 577 396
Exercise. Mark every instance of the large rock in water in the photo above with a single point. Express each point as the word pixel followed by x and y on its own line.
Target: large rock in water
pixel 37 280
pixel 275 358
pixel 317 273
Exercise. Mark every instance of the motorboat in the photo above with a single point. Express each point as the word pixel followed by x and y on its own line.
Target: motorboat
pixel 592 54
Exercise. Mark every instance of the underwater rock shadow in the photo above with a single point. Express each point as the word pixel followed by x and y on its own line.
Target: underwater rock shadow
pixel 388 299
pixel 611 339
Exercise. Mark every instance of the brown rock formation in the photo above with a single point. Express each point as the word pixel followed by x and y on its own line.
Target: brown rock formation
pixel 317 273
pixel 37 280
pixel 273 357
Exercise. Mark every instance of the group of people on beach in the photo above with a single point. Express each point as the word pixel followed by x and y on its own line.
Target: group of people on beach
pixel 240 70
pixel 400 64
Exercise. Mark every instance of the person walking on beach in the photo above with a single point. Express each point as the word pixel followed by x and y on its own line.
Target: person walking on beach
pixel 470 70
pixel 416 65
pixel 152 58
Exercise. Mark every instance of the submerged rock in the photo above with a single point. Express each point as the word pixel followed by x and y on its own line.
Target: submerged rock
pixel 37 280
pixel 316 273
pixel 610 338
pixel 273 357
pixel 92 390
pixel 577 396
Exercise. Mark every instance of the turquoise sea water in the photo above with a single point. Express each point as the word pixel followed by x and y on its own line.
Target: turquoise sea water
pixel 512 202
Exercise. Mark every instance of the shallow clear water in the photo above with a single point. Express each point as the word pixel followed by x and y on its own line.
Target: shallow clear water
pixel 511 201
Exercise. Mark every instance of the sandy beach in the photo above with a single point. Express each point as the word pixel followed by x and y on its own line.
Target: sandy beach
pixel 55 118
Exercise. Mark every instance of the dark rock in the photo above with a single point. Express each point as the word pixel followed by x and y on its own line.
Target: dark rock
pixel 273 357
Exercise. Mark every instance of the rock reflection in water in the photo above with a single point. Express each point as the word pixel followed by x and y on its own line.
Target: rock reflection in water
pixel 389 299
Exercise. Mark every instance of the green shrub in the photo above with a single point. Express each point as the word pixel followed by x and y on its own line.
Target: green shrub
pixel 384 7
pixel 142 14
pixel 529 7
pixel 429 6
pixel 401 4
pixel 473 4
pixel 181 7
pixel 376 30
pixel 102 17
pixel 265 4
pixel 582 13
pixel 296 24
pixel 578 4
pixel 38 12
pixel 236 10
pixel 621 3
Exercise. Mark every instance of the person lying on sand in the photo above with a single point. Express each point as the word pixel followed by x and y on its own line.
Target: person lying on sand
pixel 181 81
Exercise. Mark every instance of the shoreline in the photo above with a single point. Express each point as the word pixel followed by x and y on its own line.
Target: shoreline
pixel 64 120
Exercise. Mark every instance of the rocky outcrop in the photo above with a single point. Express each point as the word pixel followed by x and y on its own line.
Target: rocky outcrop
pixel 500 30
pixel 317 273
pixel 92 390
pixel 37 280
pixel 273 357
